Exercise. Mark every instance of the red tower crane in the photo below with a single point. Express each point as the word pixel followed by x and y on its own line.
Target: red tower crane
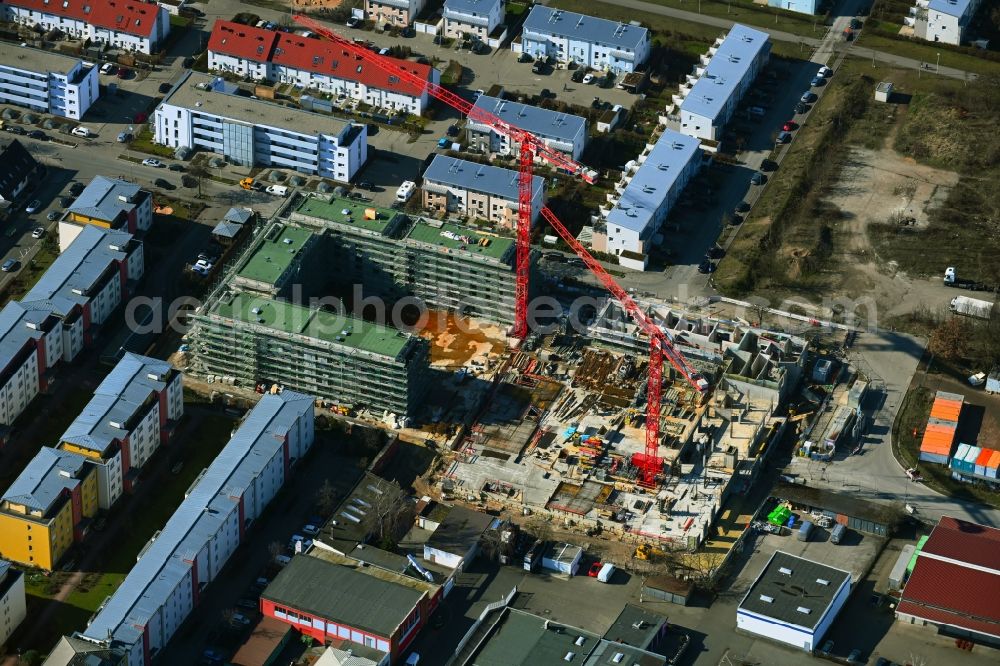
pixel 660 345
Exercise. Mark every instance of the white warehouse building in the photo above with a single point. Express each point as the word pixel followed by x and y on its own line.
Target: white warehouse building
pixel 586 40
pixel 130 25
pixel 46 81
pixel 167 580
pixel 731 69
pixel 202 112
pixel 645 198
pixel 559 131
pixel 793 601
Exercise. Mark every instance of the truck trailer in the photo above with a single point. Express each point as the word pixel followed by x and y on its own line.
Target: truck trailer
pixel 971 307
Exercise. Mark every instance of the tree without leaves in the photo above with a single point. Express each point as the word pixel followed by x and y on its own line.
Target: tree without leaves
pixel 950 339
pixel 274 549
pixel 199 172
pixel 326 499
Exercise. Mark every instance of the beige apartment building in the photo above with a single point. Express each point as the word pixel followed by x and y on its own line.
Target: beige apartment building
pixel 477 191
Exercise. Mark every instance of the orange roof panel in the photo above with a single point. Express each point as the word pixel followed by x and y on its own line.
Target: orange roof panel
pixel 946 410
pixel 984 457
pixel 937 441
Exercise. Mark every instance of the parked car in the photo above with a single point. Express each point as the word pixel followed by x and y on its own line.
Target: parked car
pixel 353 22
pixel 108 68
pixel 124 137
pixel 817 81
pixel 854 657
pixel 38 134
pixel 14 129
pixel 152 162
pixel 80 130
pixel 789 126
pixel 164 184
pixel 825 72
pixel 52 216
pixel 758 178
pixel 524 57
pixel 801 107
pixel 595 569
pixel 176 167
pixel 310 530
pixel 240 619
pixel 122 72
pixel 856 24
pixel 538 67
pixel 784 137
pixel 588 79
pixel 827 648
pixel 715 252
pixel 706 266
pixel 808 97
pixel 365 185
pixel 10 266
pixel 164 88
pixel 76 188
pixel 453 130
pixel 282 560
pixel 247 604
pixel 33 206
pixel 188 62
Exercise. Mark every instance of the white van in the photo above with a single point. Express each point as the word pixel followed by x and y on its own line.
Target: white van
pixel 277 190
pixel 606 572
pixel 405 190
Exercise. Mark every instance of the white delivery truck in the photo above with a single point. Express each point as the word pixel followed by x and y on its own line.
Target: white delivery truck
pixel 971 307
pixel 606 572
pixel 277 190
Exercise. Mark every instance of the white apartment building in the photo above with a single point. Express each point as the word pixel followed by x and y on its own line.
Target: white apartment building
pixel 731 68
pixel 202 112
pixel 947 20
pixel 167 580
pixel 13 603
pixel 478 191
pixel 314 64
pixel 393 13
pixel 93 274
pixel 129 417
pixel 32 340
pixel 130 25
pixel 46 81
pixel 467 18
pixel 563 132
pixel 648 192
pixel 586 40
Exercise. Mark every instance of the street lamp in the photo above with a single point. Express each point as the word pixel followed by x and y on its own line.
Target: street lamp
pixel 937 67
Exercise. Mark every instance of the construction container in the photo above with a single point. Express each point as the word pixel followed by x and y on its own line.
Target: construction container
pixel 993 381
pixel 993 465
pixel 982 460
pixel 805 530
pixel 969 462
pixel 837 533
pixel 960 453
pixel 947 406
pixel 899 570
pixel 857 394
pixel 939 438
pixel 840 428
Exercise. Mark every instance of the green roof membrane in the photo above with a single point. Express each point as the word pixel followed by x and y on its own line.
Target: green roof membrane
pixel 269 261
pixel 454 237
pixel 334 211
pixel 320 324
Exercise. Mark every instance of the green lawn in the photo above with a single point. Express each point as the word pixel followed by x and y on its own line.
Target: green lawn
pixel 926 52
pixel 143 142
pixel 745 11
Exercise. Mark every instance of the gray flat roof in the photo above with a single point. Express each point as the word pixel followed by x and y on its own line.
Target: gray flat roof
pixel 477 177
pixel 199 518
pixel 343 594
pixel 122 395
pixel 585 28
pixel 43 480
pixel 188 95
pixel 81 266
pixel 794 590
pixel 104 198
pixel 36 60
pixel 522 638
pixel 653 181
pixel 460 530
pixel 636 626
pixel 724 72
pixel 350 522
pixel 543 122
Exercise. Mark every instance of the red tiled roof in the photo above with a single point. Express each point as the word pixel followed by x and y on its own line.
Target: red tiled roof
pixel 128 16
pixel 323 57
pixel 967 595
pixel 944 617
pixel 309 54
pixel 242 41
pixel 966 542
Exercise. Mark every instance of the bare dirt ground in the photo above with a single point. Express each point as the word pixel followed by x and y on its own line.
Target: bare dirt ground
pixel 876 187
pixel 458 342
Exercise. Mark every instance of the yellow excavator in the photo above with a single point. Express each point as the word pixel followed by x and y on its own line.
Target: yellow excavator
pixel 644 551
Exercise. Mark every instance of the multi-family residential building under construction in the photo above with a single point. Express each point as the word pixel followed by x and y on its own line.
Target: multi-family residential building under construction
pixel 271 320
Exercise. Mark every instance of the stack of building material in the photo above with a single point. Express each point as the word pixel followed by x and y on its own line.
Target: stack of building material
pixel 939 436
